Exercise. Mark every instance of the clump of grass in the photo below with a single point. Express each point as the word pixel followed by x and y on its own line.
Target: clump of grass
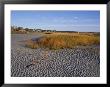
pixel 52 42
pixel 31 44
pixel 64 41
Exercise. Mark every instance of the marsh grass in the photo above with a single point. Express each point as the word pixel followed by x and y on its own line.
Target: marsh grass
pixel 60 41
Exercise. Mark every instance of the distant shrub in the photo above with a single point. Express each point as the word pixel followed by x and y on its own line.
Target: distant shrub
pixel 48 33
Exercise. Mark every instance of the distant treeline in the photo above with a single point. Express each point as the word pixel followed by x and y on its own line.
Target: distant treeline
pixel 21 29
pixel 68 31
pixel 16 29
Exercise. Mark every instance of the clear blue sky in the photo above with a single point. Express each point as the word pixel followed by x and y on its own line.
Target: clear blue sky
pixel 84 21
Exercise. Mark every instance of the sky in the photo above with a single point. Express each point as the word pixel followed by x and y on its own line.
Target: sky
pixel 70 20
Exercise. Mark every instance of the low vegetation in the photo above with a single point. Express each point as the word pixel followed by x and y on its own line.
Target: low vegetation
pixel 48 33
pixel 18 32
pixel 60 41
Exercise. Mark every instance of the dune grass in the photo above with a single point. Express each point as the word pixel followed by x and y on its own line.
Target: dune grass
pixel 60 41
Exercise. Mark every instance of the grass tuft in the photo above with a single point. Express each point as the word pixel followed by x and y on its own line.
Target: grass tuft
pixel 61 41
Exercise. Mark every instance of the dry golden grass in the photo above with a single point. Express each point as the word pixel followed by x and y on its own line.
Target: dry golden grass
pixel 31 44
pixel 64 40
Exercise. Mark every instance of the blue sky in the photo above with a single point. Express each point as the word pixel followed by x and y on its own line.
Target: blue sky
pixel 83 21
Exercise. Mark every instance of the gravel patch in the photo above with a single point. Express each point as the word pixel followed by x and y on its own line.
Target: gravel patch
pixel 76 62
